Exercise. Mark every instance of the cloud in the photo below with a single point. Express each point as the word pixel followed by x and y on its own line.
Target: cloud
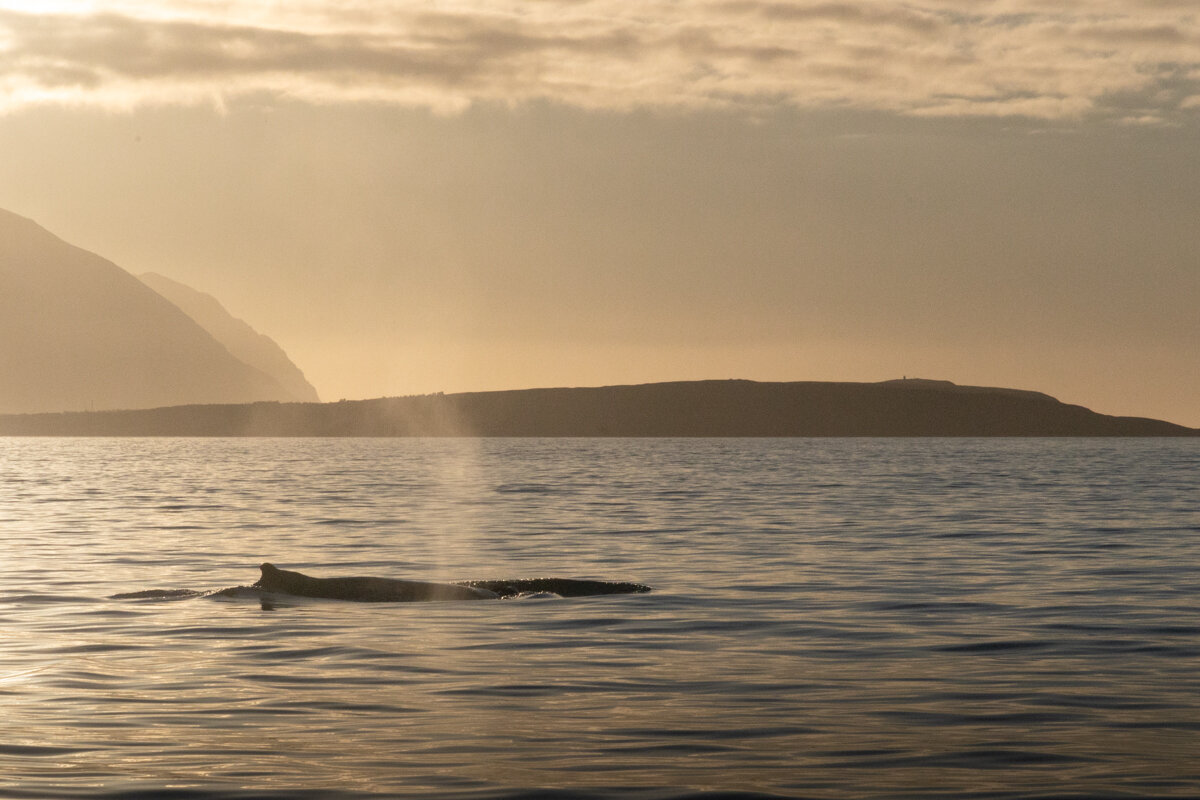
pixel 933 58
pixel 902 16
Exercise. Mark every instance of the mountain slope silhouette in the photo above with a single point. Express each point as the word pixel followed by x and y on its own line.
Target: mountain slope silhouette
pixel 77 332
pixel 237 335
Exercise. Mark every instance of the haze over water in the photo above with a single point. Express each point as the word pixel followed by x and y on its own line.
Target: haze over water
pixel 841 618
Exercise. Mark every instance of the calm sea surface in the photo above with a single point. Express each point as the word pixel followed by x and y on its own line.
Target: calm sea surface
pixel 836 618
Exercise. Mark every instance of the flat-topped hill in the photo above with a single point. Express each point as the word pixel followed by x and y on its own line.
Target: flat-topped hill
pixel 692 408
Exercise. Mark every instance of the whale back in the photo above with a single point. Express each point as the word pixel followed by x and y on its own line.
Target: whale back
pixel 563 587
pixel 364 589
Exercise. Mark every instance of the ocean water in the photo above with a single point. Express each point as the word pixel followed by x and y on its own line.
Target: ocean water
pixel 830 618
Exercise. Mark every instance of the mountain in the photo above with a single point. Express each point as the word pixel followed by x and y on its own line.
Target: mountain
pixel 693 408
pixel 78 332
pixel 246 344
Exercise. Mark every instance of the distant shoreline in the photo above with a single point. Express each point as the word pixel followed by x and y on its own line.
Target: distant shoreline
pixel 718 408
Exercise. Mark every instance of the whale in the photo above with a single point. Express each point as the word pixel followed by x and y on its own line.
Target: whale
pixel 364 589
pixel 274 581
pixel 563 587
pixel 392 590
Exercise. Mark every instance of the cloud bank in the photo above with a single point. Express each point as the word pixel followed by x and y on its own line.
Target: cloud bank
pixel 1124 61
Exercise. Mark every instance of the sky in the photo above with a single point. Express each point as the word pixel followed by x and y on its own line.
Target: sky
pixel 466 195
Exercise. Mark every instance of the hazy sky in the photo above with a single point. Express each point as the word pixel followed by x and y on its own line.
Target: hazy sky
pixel 457 195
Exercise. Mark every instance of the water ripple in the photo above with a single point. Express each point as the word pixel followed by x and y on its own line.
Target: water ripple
pixel 831 619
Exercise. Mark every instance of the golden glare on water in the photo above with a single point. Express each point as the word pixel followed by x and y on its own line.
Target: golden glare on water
pixel 865 614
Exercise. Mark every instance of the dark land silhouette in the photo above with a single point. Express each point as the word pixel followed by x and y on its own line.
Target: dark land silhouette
pixel 692 408
pixel 78 332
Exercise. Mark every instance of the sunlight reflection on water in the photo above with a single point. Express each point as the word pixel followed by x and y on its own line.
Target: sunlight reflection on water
pixel 830 618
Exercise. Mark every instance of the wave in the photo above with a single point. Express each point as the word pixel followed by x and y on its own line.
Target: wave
pixel 323 794
pixel 158 594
